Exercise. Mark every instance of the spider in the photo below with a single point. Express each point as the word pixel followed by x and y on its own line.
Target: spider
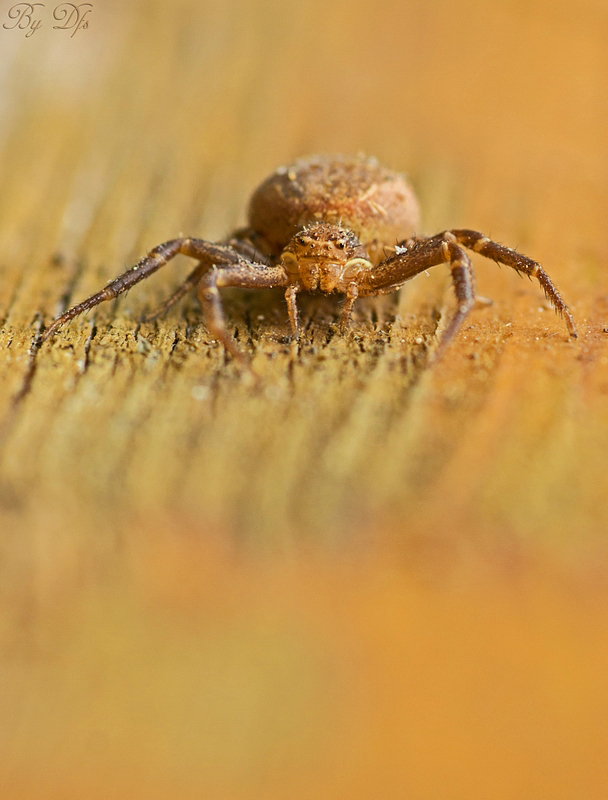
pixel 324 224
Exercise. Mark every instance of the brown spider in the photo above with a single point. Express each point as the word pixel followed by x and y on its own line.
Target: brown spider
pixel 327 224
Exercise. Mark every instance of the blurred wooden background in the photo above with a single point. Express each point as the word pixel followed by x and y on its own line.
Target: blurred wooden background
pixel 360 578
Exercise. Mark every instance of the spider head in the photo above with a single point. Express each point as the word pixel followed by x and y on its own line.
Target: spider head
pixel 324 257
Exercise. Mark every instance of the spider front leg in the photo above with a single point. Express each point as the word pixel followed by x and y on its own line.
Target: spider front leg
pixel 240 242
pixel 206 252
pixel 244 275
pixel 464 286
pixel 511 258
pixel 416 256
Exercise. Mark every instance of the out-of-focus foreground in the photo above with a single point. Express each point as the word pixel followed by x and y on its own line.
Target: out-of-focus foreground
pixel 357 577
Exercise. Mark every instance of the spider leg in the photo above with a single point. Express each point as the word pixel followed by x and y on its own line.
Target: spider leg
pixel 411 257
pixel 464 286
pixel 241 241
pixel 244 275
pixel 250 244
pixel 415 256
pixel 511 258
pixel 157 257
pixel 291 294
pixel 189 284
pixel 349 301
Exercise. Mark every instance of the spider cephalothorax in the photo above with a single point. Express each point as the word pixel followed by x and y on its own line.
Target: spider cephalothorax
pixel 328 224
pixel 324 257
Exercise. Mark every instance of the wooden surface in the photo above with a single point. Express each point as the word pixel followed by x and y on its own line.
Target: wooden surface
pixel 359 577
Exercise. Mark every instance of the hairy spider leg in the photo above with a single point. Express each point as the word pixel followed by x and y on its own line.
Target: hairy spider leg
pixel 464 286
pixel 244 275
pixel 352 293
pixel 511 258
pixel 190 283
pixel 291 294
pixel 239 242
pixel 206 252
pixel 415 255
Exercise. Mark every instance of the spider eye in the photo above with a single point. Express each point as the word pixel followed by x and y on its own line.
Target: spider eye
pixel 301 240
pixel 341 245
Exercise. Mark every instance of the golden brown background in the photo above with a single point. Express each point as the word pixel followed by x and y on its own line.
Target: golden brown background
pixel 360 578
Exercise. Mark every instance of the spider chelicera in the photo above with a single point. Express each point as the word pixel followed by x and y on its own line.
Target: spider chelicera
pixel 325 224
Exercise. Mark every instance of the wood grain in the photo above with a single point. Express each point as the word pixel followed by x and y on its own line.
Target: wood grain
pixel 355 524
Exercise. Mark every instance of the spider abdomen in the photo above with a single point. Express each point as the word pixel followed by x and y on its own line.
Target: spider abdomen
pixel 378 205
